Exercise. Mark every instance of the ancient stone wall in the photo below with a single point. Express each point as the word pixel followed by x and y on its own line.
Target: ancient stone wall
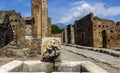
pixel 83 31
pixel 88 30
pixel 110 38
pixel 20 34
pixel 14 19
pixel 29 26
pixel 100 25
pixel 118 26
pixel 6 32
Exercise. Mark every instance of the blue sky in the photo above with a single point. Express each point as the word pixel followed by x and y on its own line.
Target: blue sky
pixel 67 11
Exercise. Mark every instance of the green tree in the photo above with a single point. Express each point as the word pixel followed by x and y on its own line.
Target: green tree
pixel 56 29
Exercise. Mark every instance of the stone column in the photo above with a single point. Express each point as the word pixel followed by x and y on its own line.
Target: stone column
pixel 37 14
pixel 66 38
pixel 49 27
pixel 20 34
pixel 17 35
pixel 62 37
pixel 44 18
pixel 40 14
pixel 72 35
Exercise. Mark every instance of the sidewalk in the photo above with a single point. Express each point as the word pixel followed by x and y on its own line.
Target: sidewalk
pixel 102 50
pixel 97 56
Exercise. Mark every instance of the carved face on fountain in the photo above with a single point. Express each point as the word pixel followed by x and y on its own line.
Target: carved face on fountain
pixel 52 51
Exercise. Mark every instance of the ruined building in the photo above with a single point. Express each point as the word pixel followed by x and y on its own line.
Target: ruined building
pixel 6 32
pixel 15 19
pixel 36 26
pixel 89 32
pixel 93 31
pixel 17 25
pixel 40 14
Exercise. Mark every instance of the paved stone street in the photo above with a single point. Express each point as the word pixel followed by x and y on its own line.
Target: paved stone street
pixel 105 61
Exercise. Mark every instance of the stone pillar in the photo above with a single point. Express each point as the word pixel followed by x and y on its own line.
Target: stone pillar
pixel 72 35
pixel 68 30
pixel 49 27
pixel 40 14
pixel 20 34
pixel 17 35
pixel 37 14
pixel 66 38
pixel 62 37
pixel 44 17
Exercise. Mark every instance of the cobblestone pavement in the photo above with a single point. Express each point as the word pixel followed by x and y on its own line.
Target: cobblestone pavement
pixel 108 62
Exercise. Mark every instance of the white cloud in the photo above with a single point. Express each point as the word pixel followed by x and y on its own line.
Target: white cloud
pixel 81 8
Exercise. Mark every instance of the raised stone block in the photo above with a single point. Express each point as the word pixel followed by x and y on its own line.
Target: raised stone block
pixel 92 68
pixel 3 70
pixel 37 66
pixel 31 66
pixel 14 66
pixel 83 67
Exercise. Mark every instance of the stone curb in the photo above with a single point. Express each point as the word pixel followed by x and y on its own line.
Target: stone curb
pixel 101 50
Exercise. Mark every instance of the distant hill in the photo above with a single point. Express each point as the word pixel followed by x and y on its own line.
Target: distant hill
pixel 61 25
